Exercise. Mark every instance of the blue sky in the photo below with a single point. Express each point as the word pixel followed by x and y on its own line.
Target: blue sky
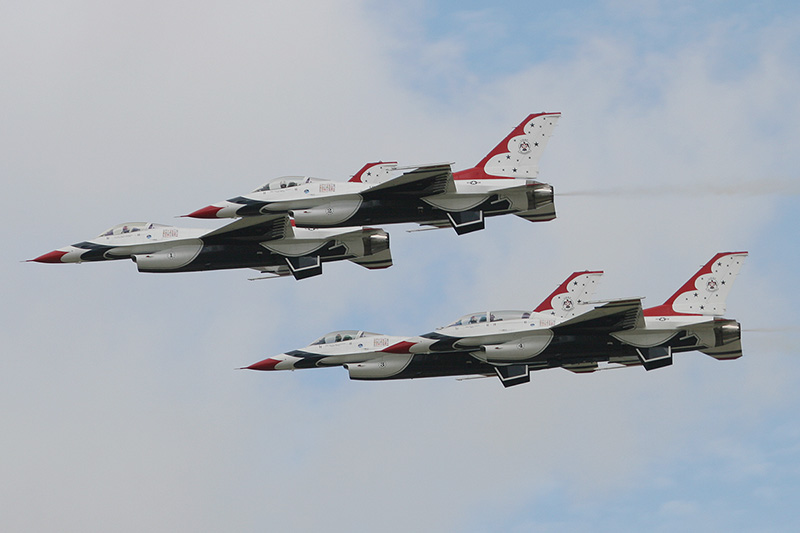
pixel 121 405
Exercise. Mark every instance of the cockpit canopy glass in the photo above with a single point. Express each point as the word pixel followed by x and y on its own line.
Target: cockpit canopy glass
pixel 130 227
pixel 285 182
pixel 341 336
pixel 490 316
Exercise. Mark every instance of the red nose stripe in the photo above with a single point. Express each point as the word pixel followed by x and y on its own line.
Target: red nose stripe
pixel 50 257
pixel 266 364
pixel 400 347
pixel 206 212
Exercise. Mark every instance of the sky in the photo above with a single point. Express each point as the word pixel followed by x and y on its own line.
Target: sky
pixel 121 403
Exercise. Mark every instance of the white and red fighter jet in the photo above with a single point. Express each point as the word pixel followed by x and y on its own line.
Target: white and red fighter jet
pixel 564 331
pixel 385 193
pixel 268 244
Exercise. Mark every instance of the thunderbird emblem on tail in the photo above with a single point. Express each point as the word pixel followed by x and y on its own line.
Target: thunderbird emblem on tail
pixel 566 330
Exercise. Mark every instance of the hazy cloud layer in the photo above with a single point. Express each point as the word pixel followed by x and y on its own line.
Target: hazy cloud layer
pixel 122 408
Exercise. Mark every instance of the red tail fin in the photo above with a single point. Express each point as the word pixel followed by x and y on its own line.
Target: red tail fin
pixel 374 172
pixel 570 294
pixel 517 156
pixel 706 291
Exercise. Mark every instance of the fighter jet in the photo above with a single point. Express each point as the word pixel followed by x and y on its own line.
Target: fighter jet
pixel 268 244
pixel 384 193
pixel 566 330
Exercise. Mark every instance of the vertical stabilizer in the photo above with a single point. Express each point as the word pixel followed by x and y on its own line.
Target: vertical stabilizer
pixel 517 156
pixel 570 295
pixel 705 292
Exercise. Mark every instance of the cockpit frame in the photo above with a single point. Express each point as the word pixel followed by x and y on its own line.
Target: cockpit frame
pixel 342 336
pixel 288 182
pixel 130 227
pixel 482 317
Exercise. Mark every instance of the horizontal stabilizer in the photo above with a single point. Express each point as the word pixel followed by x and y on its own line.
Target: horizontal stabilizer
pixel 732 350
pixel 382 259
pixel 544 213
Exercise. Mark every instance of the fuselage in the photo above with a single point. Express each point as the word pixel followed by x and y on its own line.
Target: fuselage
pixel 538 341
pixel 160 248
pixel 504 181
pixel 322 203
pixel 479 342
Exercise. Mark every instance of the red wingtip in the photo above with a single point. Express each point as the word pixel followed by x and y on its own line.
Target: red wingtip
pixel 50 257
pixel 206 212
pixel 266 364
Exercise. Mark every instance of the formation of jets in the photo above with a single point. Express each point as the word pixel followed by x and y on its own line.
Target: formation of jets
pixel 566 330
pixel 292 225
pixel 284 227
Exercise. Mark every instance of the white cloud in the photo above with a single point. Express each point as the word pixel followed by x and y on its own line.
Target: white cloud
pixel 678 507
pixel 124 410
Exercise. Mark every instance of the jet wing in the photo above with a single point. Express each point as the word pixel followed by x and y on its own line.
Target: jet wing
pixel 616 315
pixel 259 228
pixel 421 181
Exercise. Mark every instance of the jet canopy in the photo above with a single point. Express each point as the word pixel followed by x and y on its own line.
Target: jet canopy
pixel 130 227
pixel 341 336
pixel 284 182
pixel 490 316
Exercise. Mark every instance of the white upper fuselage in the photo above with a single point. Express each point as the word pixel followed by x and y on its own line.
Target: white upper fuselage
pixel 565 330
pixel 348 347
pixel 305 194
pixel 537 321
pixel 133 238
pixel 482 332
pixel 124 240
pixel 395 192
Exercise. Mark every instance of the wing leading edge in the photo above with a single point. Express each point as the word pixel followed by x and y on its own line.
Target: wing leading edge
pixel 612 316
pixel 419 182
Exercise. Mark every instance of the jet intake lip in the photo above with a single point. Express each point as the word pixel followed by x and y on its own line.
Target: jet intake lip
pixel 50 257
pixel 209 211
pixel 266 364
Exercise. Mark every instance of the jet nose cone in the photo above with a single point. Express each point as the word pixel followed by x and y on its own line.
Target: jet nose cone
pixel 209 211
pixel 50 257
pixel 266 364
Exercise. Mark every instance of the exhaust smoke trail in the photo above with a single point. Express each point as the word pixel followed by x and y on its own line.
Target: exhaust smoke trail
pixel 771 330
pixel 765 187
